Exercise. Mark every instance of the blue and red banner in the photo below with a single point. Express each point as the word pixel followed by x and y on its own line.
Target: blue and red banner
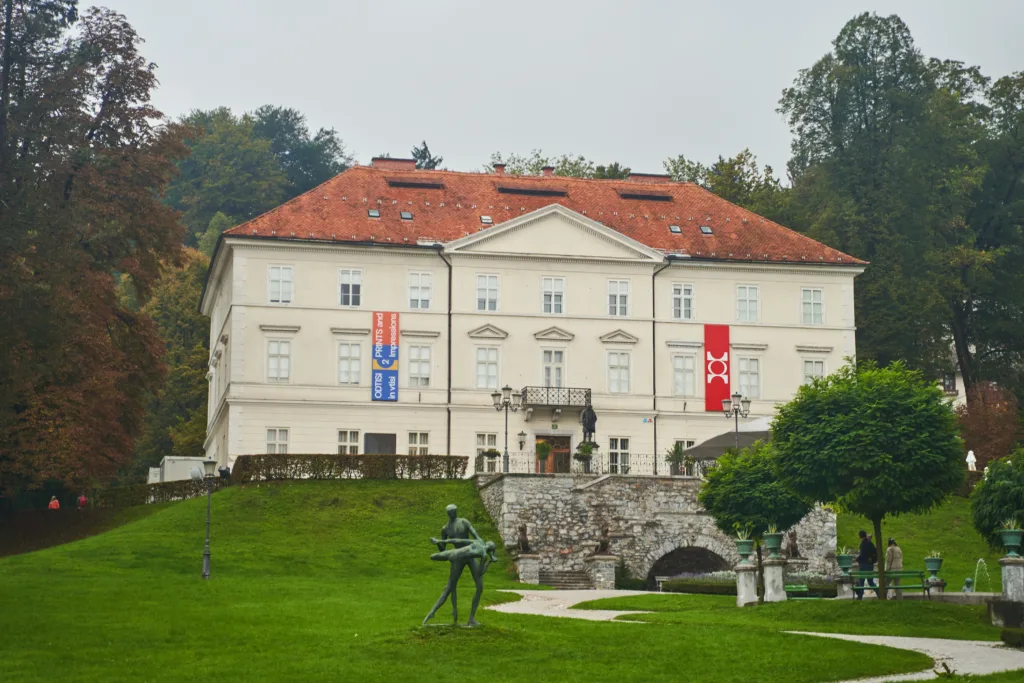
pixel 716 366
pixel 385 356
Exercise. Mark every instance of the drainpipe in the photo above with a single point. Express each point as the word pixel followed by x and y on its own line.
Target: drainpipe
pixel 654 357
pixel 448 401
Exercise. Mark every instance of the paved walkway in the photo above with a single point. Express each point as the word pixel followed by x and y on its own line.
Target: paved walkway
pixel 964 657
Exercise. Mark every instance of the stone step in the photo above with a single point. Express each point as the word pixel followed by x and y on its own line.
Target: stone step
pixel 566 580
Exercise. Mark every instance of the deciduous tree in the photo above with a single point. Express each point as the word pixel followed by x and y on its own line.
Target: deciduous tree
pixel 989 422
pixel 999 497
pixel 307 160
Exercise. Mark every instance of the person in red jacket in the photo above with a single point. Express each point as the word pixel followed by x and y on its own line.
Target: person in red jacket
pixel 54 503
pixel 83 502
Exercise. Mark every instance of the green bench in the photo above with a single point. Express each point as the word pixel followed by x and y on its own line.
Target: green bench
pixel 910 579
pixel 799 591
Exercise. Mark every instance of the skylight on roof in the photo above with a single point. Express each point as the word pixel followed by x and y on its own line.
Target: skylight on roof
pixel 705 229
pixel 373 213
pixel 406 215
pixel 675 229
pixel 486 220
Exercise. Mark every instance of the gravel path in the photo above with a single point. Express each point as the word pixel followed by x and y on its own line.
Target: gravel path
pixel 964 657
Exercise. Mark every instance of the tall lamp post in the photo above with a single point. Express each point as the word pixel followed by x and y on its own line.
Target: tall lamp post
pixel 736 407
pixel 506 400
pixel 208 474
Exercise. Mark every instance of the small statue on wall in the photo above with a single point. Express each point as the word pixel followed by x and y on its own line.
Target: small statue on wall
pixel 588 418
pixel 791 549
pixel 524 543
pixel 603 543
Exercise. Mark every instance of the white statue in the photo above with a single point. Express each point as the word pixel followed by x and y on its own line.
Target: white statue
pixel 971 462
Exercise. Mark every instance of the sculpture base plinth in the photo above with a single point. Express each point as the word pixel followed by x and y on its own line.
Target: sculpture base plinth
pixel 1013 578
pixel 774 581
pixel 529 568
pixel 746 585
pixel 844 588
pixel 601 569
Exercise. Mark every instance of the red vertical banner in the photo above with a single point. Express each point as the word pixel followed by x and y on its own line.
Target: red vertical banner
pixel 716 366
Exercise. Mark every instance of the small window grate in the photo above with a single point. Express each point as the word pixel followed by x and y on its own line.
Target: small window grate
pixel 373 213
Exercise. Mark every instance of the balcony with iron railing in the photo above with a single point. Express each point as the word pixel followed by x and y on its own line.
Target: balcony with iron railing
pixel 556 397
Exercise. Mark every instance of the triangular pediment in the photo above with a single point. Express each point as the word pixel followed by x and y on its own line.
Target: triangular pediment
pixel 619 337
pixel 554 334
pixel 488 332
pixel 556 232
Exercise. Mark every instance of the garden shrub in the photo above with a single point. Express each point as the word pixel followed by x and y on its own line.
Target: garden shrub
pixel 1014 637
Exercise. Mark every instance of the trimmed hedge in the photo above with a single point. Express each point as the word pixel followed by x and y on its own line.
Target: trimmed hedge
pixel 1014 637
pixel 716 588
pixel 264 467
pixel 143 494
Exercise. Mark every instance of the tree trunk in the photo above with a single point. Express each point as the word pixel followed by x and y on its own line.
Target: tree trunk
pixel 964 357
pixel 882 594
pixel 760 574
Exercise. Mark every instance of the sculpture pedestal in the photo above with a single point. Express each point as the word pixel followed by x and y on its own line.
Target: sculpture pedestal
pixel 746 585
pixel 844 588
pixel 601 569
pixel 774 583
pixel 1013 578
pixel 529 568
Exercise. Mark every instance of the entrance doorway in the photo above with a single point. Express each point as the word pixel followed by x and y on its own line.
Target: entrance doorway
pixel 561 455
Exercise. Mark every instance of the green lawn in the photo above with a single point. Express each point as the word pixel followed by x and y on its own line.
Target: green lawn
pixel 330 580
pixel 946 529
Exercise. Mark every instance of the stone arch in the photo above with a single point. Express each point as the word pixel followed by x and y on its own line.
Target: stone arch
pixel 711 545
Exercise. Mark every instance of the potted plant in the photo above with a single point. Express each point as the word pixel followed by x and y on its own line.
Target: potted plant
pixel 744 545
pixel 1010 533
pixel 933 563
pixel 543 451
pixel 844 558
pixel 773 541
pixel 492 453
pixel 584 454
pixel 676 457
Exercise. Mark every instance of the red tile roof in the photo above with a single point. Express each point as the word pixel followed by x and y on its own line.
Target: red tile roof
pixel 337 211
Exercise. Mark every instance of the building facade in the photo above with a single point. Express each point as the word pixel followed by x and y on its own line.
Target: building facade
pixel 379 312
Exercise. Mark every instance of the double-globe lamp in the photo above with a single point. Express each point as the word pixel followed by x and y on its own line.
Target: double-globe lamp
pixel 506 400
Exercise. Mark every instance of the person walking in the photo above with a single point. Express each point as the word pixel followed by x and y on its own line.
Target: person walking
pixel 83 502
pixel 54 503
pixel 894 562
pixel 865 561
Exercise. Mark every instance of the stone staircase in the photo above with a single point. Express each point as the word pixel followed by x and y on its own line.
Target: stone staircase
pixel 569 581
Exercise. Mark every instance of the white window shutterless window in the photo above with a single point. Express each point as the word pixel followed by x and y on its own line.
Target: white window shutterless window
pixel 683 468
pixel 349 363
pixel 277 441
pixel 747 303
pixel 350 288
pixel 618 372
pixel 685 374
pixel 419 366
pixel 484 443
pixel 618 455
pixel 348 442
pixel 420 285
pixel 813 369
pixel 279 360
pixel 486 292
pixel 554 367
pixel 812 306
pixel 281 284
pixel 419 443
pixel 486 368
pixel 553 293
pixel 750 377
pixel 682 302
pixel 618 297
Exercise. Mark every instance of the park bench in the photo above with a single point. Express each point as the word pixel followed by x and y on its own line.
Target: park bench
pixel 660 580
pixel 799 591
pixel 910 579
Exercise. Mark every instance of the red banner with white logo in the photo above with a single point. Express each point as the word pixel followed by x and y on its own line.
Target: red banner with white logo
pixel 716 366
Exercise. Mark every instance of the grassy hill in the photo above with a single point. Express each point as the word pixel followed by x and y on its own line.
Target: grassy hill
pixel 330 580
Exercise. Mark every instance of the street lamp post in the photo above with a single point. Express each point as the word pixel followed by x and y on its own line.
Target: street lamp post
pixel 209 472
pixel 736 407
pixel 506 400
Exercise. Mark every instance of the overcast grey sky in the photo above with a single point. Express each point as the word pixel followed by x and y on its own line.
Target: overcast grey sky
pixel 633 82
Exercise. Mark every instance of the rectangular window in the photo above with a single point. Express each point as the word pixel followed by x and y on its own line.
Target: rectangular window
pixel 279 361
pixel 682 302
pixel 350 287
pixel 484 443
pixel 419 443
pixel 747 303
pixel 813 306
pixel 281 284
pixel 348 442
pixel 349 362
pixel 419 366
pixel 750 377
pixel 553 289
pixel 486 292
pixel 813 369
pixel 420 285
pixel 277 441
pixel 618 372
pixel 618 297
pixel 554 367
pixel 690 469
pixel 949 383
pixel 685 370
pixel 618 455
pixel 487 368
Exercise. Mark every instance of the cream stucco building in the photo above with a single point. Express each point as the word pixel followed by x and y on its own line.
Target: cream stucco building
pixel 567 290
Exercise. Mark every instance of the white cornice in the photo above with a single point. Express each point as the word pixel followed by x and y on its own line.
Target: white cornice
pixel 420 333
pixel 803 348
pixel 351 331
pixel 554 333
pixel 619 337
pixel 681 344
pixel 487 332
pixel 292 329
pixel 748 346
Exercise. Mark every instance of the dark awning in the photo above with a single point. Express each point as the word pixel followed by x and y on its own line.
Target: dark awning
pixel 716 445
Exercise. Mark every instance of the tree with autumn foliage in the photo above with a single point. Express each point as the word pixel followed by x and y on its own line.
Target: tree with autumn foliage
pixel 83 161
pixel 989 422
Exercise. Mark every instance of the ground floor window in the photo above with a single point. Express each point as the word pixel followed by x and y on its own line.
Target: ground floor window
pixel 618 455
pixel 348 442
pixel 419 443
pixel 690 469
pixel 277 440
pixel 484 443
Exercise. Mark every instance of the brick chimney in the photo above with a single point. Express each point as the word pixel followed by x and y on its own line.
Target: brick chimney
pixel 499 169
pixel 393 164
pixel 649 178
pixel 547 171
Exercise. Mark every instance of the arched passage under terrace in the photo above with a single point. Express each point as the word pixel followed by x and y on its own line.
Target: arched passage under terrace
pixel 687 560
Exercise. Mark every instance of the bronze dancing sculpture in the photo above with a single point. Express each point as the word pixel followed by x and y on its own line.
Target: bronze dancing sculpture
pixel 470 551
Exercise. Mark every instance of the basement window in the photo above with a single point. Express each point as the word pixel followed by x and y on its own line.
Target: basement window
pixel 373 213
pixel 674 229
pixel 486 220
pixel 406 215
pixel 705 229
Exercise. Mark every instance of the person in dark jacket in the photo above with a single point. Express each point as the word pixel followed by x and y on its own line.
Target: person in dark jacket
pixel 865 561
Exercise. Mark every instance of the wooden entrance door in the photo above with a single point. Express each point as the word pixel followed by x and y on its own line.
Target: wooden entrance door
pixel 561 454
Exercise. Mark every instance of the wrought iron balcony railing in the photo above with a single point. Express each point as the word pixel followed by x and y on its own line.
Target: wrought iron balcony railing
pixel 558 397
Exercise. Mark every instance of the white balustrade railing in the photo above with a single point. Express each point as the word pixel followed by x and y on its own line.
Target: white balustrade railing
pixel 642 464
